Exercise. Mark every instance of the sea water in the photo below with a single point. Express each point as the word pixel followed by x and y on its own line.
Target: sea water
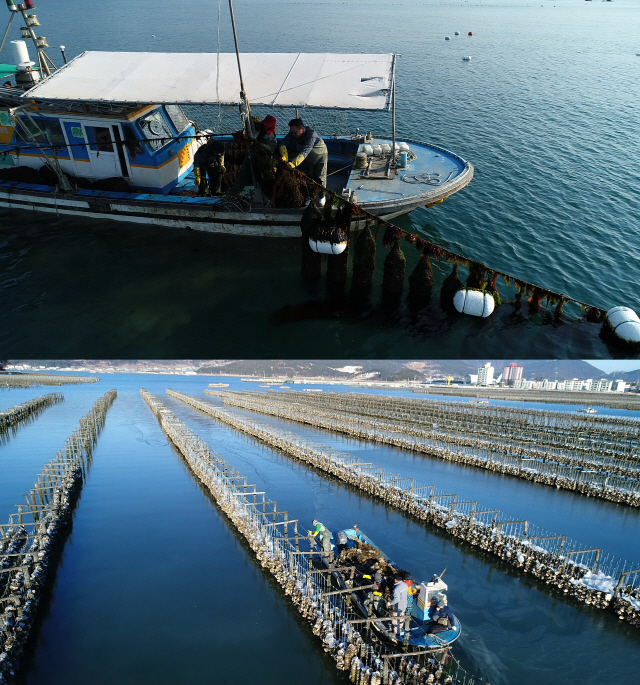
pixel 154 585
pixel 546 111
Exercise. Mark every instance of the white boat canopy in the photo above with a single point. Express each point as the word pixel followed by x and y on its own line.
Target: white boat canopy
pixel 278 79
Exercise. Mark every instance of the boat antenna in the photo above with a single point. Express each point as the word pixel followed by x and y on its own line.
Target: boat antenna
pixel 243 94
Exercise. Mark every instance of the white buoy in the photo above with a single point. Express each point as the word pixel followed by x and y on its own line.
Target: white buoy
pixel 474 302
pixel 447 37
pixel 466 59
pixel 624 323
pixel 325 247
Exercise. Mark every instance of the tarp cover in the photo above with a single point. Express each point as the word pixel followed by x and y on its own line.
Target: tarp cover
pixel 283 79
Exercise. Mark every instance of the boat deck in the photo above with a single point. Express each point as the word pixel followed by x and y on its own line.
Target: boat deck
pixel 432 167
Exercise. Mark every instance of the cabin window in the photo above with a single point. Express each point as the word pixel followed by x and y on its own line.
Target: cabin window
pixel 45 132
pixel 132 144
pixel 155 130
pixel 102 140
pixel 178 117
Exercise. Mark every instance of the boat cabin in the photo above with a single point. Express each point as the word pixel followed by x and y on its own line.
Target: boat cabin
pixel 151 147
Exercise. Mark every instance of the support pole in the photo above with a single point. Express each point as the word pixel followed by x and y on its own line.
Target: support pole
pixel 243 94
pixel 6 33
pixel 43 64
pixel 393 111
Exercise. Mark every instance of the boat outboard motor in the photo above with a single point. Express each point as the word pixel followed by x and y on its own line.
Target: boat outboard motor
pixel 342 541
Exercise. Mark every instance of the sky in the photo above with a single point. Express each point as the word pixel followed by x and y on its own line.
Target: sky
pixel 610 365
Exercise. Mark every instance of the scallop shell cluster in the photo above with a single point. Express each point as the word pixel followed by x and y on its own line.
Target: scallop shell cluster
pixel 557 571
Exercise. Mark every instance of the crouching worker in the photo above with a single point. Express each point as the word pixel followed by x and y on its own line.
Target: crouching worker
pixel 441 619
pixel 303 146
pixel 208 167
pixel 325 539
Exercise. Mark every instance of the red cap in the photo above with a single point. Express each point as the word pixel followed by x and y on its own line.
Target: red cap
pixel 269 124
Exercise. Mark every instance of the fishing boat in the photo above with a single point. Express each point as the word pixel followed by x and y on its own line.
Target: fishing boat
pixel 218 385
pixel 588 410
pixel 358 557
pixel 106 136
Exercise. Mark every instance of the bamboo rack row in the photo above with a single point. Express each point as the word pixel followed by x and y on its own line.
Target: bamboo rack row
pixel 492 456
pixel 587 574
pixel 613 400
pixel 554 429
pixel 27 541
pixel 568 447
pixel 27 410
pixel 268 530
pixel 28 380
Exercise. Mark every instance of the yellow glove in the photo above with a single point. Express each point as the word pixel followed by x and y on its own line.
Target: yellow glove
pixel 196 171
pixel 291 165
pixel 255 119
pixel 310 532
pixel 283 153
pixel 297 161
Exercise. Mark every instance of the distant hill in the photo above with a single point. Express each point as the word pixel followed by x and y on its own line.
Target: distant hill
pixel 297 368
pixel 629 376
pixel 353 369
pixel 399 369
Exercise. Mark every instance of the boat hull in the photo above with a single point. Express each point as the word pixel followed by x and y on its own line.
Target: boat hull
pixel 269 222
pixel 236 216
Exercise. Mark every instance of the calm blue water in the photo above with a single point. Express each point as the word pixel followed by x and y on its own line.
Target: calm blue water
pixel 154 587
pixel 546 111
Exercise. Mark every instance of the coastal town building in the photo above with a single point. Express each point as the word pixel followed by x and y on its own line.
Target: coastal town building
pixel 485 374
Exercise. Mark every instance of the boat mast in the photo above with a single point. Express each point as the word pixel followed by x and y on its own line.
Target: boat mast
pixel 243 94
pixel 393 111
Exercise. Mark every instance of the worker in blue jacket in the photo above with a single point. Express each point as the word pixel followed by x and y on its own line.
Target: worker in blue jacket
pixel 441 618
pixel 303 146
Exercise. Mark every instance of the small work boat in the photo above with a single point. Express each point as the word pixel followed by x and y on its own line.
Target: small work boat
pixel 218 385
pixel 358 558
pixel 105 136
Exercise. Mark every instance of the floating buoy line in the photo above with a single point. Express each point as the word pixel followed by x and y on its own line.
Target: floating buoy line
pixel 481 283
pixel 274 539
pixel 27 541
pixel 27 410
pixel 616 479
pixel 330 229
pixel 598 579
